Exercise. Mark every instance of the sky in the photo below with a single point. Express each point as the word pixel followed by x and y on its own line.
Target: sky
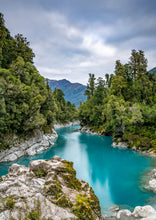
pixel 72 38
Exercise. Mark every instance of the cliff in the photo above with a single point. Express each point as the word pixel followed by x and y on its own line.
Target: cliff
pixel 29 145
pixel 47 189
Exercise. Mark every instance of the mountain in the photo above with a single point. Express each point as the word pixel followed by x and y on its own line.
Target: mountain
pixel 74 92
pixel 153 70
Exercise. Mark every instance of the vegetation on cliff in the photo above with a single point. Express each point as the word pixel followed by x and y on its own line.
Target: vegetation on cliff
pixel 123 104
pixel 26 100
pixel 43 192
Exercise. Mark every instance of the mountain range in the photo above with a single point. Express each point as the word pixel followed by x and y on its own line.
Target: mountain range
pixel 153 70
pixel 74 92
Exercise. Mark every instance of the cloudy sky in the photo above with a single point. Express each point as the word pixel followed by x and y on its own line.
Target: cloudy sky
pixel 72 38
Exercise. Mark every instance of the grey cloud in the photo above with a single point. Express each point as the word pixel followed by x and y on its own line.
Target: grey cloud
pixel 72 38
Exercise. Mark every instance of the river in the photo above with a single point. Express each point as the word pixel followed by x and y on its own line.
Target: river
pixel 114 174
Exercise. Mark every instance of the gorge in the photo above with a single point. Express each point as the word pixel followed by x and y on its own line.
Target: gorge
pixel 114 174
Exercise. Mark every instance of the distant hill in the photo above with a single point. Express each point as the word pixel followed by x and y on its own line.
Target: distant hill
pixel 74 92
pixel 153 70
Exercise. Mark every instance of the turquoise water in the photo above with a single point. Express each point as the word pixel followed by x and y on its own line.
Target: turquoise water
pixel 114 174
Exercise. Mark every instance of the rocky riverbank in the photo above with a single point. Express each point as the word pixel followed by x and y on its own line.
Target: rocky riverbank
pixel 150 152
pixel 47 189
pixel 139 213
pixel 58 125
pixel 30 146
pixel 88 130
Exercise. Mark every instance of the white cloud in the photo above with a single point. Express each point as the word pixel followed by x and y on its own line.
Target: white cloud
pixel 97 46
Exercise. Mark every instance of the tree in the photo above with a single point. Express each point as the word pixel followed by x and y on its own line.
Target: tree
pixel 138 64
pixel 108 79
pixel 90 86
pixel 119 81
pixel 22 48
pixel 3 34
pixel 100 91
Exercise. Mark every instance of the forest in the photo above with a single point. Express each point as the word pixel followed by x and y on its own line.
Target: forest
pixel 26 100
pixel 123 104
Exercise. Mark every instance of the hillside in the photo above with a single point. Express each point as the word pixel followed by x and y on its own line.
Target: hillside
pixel 74 92
pixel 27 103
pixel 123 105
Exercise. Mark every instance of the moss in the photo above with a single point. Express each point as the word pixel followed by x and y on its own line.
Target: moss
pixel 53 190
pixel 94 203
pixel 11 218
pixel 33 215
pixel 63 201
pixel 69 167
pixel 71 181
pixel 82 208
pixel 9 203
pixel 40 173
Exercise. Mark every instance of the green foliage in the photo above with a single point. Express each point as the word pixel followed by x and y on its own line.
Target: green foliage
pixel 71 181
pixel 9 203
pixel 69 167
pixel 82 208
pixel 90 86
pixel 124 104
pixel 63 201
pixel 33 215
pixel 40 173
pixel 26 100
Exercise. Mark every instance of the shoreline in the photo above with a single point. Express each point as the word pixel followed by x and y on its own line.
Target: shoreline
pixel 146 211
pixel 31 145
pixel 59 125
pixel 122 145
pixel 139 212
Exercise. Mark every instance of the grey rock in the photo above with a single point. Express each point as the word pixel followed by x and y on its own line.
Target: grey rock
pixel 88 130
pixel 33 191
pixel 58 125
pixel 120 145
pixel 31 146
pixel 139 213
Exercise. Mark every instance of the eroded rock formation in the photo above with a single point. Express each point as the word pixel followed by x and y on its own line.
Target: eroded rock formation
pixel 47 189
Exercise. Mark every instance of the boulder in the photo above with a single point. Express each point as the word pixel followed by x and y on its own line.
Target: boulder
pixel 47 189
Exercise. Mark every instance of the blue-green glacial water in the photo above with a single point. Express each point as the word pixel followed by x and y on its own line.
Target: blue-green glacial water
pixel 114 174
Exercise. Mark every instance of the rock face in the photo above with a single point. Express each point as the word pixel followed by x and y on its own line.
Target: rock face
pixel 57 125
pixel 120 145
pixel 88 130
pixel 152 181
pixel 29 146
pixel 47 189
pixel 139 213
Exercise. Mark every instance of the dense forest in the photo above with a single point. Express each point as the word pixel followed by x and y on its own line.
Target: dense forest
pixel 123 104
pixel 26 100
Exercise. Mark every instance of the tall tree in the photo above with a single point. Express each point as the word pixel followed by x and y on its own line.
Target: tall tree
pixel 22 48
pixel 138 64
pixel 119 81
pixel 90 86
pixel 3 34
